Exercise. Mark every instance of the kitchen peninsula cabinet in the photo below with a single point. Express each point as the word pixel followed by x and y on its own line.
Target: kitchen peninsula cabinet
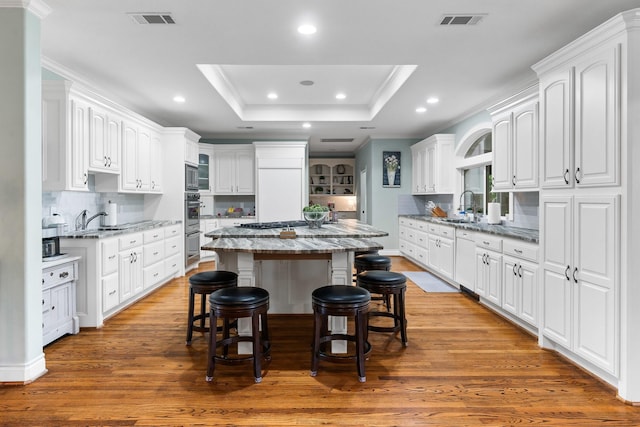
pixel 432 162
pixel 234 169
pixel 515 142
pixel 59 299
pixel 117 268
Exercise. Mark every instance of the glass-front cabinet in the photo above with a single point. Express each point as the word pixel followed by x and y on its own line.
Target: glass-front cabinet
pixel 331 177
pixel 205 169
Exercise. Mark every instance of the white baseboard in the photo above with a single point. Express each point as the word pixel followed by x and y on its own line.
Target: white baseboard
pixel 23 373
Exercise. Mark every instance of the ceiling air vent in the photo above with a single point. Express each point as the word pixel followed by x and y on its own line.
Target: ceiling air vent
pixel 336 140
pixel 461 19
pixel 152 18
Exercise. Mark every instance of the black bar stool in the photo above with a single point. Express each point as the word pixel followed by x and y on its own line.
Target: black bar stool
pixel 234 303
pixel 203 284
pixel 388 284
pixel 340 300
pixel 373 261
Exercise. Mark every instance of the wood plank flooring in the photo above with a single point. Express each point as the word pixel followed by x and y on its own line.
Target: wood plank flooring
pixel 464 366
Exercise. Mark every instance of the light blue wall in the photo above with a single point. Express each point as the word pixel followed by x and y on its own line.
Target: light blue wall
pixel 382 202
pixel 460 129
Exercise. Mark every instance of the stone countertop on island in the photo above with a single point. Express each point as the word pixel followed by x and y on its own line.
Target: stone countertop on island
pixel 267 245
pixel 126 229
pixel 346 228
pixel 526 234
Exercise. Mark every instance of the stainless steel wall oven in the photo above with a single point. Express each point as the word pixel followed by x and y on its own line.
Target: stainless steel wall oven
pixel 191 227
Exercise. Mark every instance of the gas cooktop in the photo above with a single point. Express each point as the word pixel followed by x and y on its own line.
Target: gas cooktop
pixel 277 224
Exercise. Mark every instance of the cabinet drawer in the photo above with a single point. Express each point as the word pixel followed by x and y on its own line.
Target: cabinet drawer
pixel 172 265
pixel 172 246
pixel 520 249
pixel 154 235
pixel 446 231
pixel 110 293
pixel 403 232
pixel 153 275
pixel 46 300
pixel 489 242
pixel 130 241
pixel 411 235
pixel 153 253
pixel 55 276
pixel 421 226
pixel 109 256
pixel 172 231
pixel 422 239
pixel 461 233
pixel 433 228
pixel 403 221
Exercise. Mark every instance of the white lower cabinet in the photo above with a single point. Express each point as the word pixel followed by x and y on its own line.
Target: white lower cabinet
pixel 117 271
pixel 489 268
pixel 520 280
pixel 59 301
pixel 206 226
pixel 579 279
pixel 465 259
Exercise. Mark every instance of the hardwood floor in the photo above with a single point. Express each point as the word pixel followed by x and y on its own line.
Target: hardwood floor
pixel 464 366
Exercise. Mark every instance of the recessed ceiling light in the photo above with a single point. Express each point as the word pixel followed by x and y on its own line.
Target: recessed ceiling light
pixel 307 82
pixel 341 96
pixel 179 99
pixel 272 95
pixel 307 29
pixel 432 100
pixel 367 127
pixel 306 125
pixel 421 110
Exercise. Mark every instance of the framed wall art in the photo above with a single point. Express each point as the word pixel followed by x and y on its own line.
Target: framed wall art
pixel 391 168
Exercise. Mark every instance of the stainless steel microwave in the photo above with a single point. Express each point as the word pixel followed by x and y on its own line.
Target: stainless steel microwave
pixel 191 178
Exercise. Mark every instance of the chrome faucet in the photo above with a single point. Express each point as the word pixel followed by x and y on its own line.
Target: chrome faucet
pixel 82 222
pixel 473 201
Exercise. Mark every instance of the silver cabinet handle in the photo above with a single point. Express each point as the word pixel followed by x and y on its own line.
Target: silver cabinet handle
pixel 518 251
pixel 64 274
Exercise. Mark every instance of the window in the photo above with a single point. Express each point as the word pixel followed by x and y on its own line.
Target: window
pixel 476 178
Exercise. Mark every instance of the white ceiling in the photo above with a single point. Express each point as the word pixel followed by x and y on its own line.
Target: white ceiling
pixel 388 57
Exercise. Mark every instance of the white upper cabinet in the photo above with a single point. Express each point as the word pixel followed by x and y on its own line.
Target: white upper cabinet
pixel 234 169
pixel 136 148
pixel 105 137
pixel 205 169
pixel 579 121
pixel 432 162
pixel 515 142
pixel 65 138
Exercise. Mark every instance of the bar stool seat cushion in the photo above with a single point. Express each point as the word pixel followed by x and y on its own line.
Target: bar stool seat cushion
pixel 217 277
pixel 242 295
pixel 381 277
pixel 372 261
pixel 340 294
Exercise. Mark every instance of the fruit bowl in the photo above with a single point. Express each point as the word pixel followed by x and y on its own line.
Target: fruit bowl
pixel 315 218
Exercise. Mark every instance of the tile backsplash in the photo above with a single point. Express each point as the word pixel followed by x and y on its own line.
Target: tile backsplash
pixel 69 204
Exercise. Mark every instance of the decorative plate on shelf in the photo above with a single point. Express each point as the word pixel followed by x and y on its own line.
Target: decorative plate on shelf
pixel 340 169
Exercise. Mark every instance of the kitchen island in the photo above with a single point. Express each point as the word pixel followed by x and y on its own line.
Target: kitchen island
pixel 291 268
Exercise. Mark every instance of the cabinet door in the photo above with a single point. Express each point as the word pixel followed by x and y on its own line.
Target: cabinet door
pixel 594 277
pixel 556 230
pixel 481 273
pixel 597 143
pixel 528 276
pixel 144 160
pixel 126 274
pixel 205 167
pixel 155 164
pixel 113 142
pixel 501 169
pixel 79 145
pixel 556 146
pixel 129 175
pixel 419 168
pixel 434 253
pixel 466 263
pixel 137 278
pixel 430 169
pixel 525 146
pixel 510 284
pixel 224 172
pixel 446 256
pixel 494 278
pixel 61 309
pixel 245 172
pixel 97 141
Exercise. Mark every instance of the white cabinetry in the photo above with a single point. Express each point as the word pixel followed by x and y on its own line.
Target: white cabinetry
pixel 206 226
pixel 515 142
pixel 131 264
pixel 432 162
pixel 65 138
pixel 191 151
pixel 520 280
pixel 465 259
pixel 59 300
pixel 489 268
pixel 331 177
pixel 153 257
pixel 580 235
pixel 105 136
pixel 234 169
pixel 579 120
pixel 414 240
pixel 205 169
pixel 155 164
pixel 109 273
pixel 441 249
pixel 136 146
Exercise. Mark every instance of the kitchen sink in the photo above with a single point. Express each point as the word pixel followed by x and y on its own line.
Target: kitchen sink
pixel 454 220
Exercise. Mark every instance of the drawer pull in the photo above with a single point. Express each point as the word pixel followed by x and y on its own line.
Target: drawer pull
pixel 112 293
pixel 132 242
pixel 64 274
pixel 486 243
pixel 518 251
pixel 155 253
pixel 112 257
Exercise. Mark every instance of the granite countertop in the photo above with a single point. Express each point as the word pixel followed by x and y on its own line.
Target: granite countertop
pixel 126 229
pixel 345 228
pixel 526 234
pixel 291 246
